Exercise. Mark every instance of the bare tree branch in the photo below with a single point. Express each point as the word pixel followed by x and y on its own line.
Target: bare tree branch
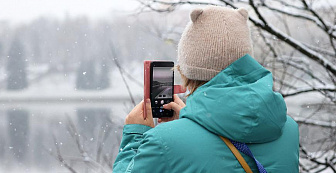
pixel 309 90
pixel 328 29
pixel 326 162
pixel 84 156
pixel 292 42
pixel 115 60
pixel 60 157
pixel 302 16
pixel 300 67
pixel 263 24
pixel 284 3
pixel 315 122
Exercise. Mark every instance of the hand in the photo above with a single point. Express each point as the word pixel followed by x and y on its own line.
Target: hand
pixel 176 106
pixel 136 115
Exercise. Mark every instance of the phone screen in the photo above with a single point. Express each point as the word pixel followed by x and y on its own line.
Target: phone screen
pixel 162 88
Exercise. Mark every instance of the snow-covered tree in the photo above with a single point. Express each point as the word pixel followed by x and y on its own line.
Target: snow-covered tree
pixel 16 66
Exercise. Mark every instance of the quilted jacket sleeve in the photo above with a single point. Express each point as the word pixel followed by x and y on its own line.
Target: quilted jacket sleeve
pixel 139 151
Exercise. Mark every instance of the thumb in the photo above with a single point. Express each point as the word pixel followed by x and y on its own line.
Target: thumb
pixel 148 109
pixel 172 105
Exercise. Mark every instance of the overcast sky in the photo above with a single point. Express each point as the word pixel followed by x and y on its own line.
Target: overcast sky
pixel 18 11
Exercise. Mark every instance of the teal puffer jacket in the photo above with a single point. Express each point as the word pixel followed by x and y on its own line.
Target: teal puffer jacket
pixel 239 104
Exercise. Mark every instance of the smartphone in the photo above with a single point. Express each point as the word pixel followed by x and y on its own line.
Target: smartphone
pixel 161 86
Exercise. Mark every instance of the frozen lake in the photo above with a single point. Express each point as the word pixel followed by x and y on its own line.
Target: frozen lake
pixel 27 129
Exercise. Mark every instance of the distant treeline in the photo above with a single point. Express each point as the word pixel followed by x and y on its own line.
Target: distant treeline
pixel 80 46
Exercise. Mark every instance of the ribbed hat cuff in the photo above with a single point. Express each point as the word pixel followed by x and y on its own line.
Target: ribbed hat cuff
pixel 197 73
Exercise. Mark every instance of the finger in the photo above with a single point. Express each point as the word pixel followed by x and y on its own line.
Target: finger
pixel 162 120
pixel 136 108
pixel 138 105
pixel 165 118
pixel 134 111
pixel 172 105
pixel 178 100
pixel 148 109
pixel 139 108
pixel 144 111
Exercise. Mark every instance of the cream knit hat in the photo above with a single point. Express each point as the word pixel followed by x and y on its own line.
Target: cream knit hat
pixel 213 39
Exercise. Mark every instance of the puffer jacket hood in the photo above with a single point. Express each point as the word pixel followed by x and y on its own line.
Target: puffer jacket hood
pixel 239 103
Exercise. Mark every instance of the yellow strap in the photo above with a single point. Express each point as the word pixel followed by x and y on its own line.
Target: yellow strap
pixel 236 153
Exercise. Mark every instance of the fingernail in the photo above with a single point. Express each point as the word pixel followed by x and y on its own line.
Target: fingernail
pixel 164 105
pixel 147 101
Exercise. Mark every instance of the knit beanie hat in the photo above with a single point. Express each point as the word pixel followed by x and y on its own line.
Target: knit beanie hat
pixel 213 39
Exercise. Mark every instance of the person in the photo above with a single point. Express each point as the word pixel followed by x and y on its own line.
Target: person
pixel 231 95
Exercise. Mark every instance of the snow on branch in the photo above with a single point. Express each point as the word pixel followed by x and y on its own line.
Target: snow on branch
pixel 291 41
pixel 300 67
pixel 289 5
pixel 328 29
pixel 302 16
pixel 310 90
pixel 312 122
pixel 321 50
pixel 327 163
pixel 261 23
